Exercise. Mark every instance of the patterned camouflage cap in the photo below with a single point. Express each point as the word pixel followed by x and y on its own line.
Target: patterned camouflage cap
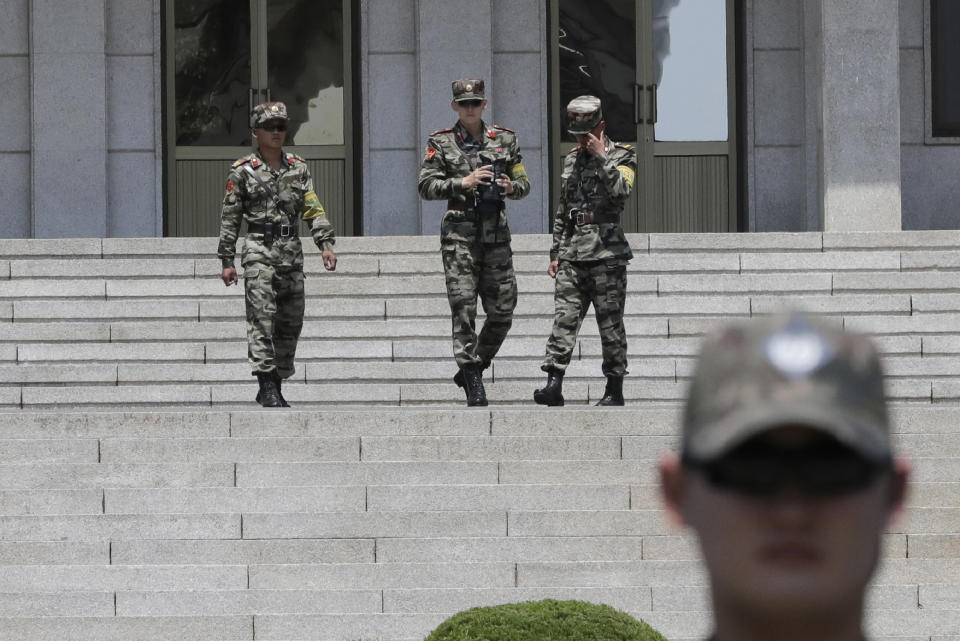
pixel 786 370
pixel 583 114
pixel 267 111
pixel 467 89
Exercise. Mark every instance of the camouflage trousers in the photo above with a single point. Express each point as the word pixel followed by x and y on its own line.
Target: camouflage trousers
pixel 275 306
pixel 578 285
pixel 484 270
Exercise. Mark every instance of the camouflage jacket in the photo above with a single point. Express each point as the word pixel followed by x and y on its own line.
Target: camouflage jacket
pixel 599 185
pixel 246 200
pixel 449 157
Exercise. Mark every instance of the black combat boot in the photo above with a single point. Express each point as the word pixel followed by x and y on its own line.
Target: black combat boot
pixel 473 378
pixel 268 396
pixel 552 393
pixel 462 384
pixel 613 395
pixel 279 382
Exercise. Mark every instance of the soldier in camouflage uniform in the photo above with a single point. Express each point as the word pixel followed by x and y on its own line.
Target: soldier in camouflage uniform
pixel 589 254
pixel 272 191
pixel 474 234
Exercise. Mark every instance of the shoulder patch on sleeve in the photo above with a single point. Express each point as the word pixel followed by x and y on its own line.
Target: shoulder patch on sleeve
pixel 431 152
pixel 241 161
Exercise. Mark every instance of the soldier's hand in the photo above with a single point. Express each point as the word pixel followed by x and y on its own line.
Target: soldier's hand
pixel 477 176
pixel 229 276
pixel 553 268
pixel 506 184
pixel 594 145
pixel 329 260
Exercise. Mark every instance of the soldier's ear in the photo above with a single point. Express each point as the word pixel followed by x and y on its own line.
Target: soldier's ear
pixel 453 105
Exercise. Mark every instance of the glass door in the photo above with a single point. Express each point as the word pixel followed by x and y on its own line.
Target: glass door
pixel 665 72
pixel 223 57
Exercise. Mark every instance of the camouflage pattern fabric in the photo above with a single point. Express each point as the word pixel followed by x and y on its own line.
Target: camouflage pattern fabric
pixel 267 111
pixel 786 369
pixel 599 185
pixel 603 284
pixel 452 154
pixel 275 303
pixel 274 309
pixel 245 199
pixel 477 258
pixel 592 257
pixel 583 114
pixel 487 271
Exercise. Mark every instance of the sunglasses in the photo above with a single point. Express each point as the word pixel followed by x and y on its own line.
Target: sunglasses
pixel 275 127
pixel 471 103
pixel 822 469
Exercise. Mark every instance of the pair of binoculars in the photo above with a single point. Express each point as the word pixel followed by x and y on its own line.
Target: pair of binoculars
pixel 489 198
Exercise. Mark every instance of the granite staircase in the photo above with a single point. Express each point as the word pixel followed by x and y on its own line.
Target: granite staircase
pixel 144 495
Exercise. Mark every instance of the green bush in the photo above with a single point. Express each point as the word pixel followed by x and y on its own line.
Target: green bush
pixel 544 621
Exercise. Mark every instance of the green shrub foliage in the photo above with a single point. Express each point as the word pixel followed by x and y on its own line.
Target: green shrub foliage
pixel 544 621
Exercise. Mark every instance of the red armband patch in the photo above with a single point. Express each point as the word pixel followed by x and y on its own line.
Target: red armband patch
pixel 229 187
pixel 431 152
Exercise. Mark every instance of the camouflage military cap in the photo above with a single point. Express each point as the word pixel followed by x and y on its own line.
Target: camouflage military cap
pixel 583 114
pixel 267 111
pixel 786 370
pixel 467 89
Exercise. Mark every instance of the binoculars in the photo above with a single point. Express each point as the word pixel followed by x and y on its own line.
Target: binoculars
pixel 489 198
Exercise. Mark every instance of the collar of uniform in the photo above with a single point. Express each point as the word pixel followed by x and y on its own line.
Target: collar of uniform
pixel 464 136
pixel 284 160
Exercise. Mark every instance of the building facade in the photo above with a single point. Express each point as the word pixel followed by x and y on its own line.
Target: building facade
pixel 122 116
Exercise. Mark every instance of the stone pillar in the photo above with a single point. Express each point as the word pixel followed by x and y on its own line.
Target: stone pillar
pixel 454 41
pixel 860 115
pixel 68 113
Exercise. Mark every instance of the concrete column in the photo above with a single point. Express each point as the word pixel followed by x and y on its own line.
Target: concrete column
pixel 68 113
pixel 860 115
pixel 453 41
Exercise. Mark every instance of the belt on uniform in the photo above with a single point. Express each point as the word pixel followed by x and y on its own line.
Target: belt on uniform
pixel 591 218
pixel 456 205
pixel 279 231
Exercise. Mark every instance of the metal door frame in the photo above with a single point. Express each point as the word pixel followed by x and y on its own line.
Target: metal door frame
pixel 259 89
pixel 647 148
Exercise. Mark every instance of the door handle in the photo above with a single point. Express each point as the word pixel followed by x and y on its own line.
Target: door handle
pixel 653 104
pixel 267 92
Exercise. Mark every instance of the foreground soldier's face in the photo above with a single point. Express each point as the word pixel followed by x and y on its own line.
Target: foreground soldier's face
pixel 791 523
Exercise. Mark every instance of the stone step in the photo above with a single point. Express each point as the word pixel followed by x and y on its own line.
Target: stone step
pixel 533 421
pixel 316 395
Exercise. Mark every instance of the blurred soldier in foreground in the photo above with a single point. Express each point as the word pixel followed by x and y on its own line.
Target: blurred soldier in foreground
pixel 787 476
pixel 589 254
pixel 272 191
pixel 473 166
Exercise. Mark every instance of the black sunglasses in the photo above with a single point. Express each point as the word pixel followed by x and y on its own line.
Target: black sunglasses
pixel 276 127
pixel 471 103
pixel 822 469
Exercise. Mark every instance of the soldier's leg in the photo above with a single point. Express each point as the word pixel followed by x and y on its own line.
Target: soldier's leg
pixel 570 306
pixel 498 294
pixel 288 321
pixel 261 303
pixel 610 295
pixel 461 280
